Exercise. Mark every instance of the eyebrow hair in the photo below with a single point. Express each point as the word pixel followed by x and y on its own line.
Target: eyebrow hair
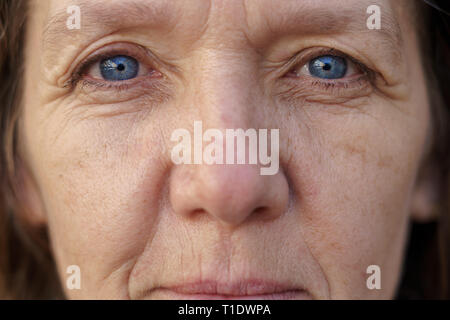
pixel 110 17
pixel 329 19
pixel 323 17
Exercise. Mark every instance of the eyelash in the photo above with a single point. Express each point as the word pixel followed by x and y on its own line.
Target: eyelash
pixel 366 74
pixel 334 86
pixel 78 76
pixel 86 83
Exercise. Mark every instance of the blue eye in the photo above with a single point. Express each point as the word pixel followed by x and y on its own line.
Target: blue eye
pixel 328 67
pixel 119 68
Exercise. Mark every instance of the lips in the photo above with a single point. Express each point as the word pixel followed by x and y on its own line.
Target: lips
pixel 238 290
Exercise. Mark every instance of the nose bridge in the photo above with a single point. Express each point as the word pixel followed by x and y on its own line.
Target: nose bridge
pixel 226 95
pixel 225 89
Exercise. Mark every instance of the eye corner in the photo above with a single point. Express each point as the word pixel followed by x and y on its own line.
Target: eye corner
pixel 136 62
pixel 326 64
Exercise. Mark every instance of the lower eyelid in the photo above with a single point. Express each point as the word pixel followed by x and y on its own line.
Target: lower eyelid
pixel 115 92
pixel 324 91
pixel 89 81
pixel 90 66
pixel 144 80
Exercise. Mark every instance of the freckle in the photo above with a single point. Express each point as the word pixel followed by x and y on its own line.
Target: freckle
pixel 336 246
pixel 353 150
pixel 384 162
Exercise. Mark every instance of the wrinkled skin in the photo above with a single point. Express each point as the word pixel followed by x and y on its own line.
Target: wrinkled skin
pixel 97 155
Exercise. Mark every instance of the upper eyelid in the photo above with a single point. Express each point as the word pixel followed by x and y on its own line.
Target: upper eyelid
pixel 96 58
pixel 302 57
pixel 343 86
pixel 141 54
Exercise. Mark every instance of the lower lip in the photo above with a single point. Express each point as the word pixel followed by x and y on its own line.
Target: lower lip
pixel 286 295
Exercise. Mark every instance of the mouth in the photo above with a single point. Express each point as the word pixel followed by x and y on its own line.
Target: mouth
pixel 240 290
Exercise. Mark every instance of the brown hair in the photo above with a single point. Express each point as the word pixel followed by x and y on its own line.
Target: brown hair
pixel 427 264
pixel 27 269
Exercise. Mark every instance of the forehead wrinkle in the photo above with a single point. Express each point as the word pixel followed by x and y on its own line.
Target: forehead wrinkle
pixel 109 15
pixel 311 18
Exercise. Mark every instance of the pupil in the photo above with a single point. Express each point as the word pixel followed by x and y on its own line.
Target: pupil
pixel 327 67
pixel 121 67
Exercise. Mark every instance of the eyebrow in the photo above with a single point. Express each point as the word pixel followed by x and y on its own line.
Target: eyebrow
pixel 328 18
pixel 290 16
pixel 109 15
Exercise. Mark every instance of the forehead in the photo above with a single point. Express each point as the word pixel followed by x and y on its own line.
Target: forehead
pixel 253 17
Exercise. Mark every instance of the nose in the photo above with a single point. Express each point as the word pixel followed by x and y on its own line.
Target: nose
pixel 230 194
pixel 227 96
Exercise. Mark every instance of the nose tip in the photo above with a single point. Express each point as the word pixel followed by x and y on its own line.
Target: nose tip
pixel 230 194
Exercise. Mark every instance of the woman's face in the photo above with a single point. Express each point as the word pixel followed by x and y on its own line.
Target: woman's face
pixel 101 104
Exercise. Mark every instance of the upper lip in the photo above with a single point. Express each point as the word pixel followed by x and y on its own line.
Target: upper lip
pixel 248 287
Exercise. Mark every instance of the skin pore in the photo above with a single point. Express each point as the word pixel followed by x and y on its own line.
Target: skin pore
pixel 97 153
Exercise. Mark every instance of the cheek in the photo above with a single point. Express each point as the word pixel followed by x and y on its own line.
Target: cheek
pixel 353 178
pixel 101 181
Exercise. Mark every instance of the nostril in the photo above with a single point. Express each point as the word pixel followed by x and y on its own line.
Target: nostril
pixel 229 194
pixel 197 212
pixel 259 210
pixel 261 213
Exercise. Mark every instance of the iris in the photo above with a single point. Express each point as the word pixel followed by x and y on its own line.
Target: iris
pixel 328 67
pixel 119 68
